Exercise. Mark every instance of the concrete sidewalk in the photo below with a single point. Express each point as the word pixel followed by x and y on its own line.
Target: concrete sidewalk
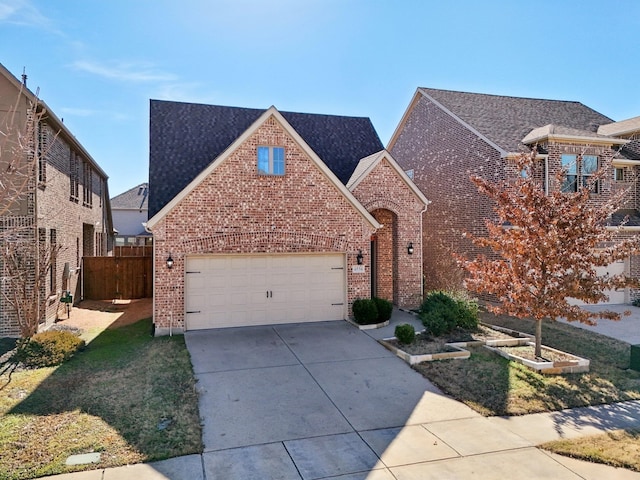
pixel 325 400
pixel 479 448
pixel 627 329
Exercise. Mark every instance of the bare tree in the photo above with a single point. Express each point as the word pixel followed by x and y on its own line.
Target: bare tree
pixel 547 246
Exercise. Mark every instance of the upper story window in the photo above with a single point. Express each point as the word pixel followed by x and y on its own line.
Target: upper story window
pixel 618 174
pixel 42 153
pixel 87 192
pixel 271 160
pixel 74 176
pixel 579 170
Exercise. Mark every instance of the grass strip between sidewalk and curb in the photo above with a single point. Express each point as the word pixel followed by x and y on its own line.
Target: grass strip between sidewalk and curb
pixel 128 395
pixel 619 448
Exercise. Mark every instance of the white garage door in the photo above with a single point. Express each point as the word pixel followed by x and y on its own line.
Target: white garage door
pixel 238 290
pixel 616 297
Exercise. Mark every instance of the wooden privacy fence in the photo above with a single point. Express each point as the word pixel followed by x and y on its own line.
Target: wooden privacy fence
pixel 107 278
pixel 133 251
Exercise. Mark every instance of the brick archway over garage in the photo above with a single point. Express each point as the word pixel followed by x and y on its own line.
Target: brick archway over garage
pixel 385 270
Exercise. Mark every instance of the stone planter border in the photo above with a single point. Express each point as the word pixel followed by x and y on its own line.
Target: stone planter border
pixel 371 326
pixel 458 353
pixel 579 365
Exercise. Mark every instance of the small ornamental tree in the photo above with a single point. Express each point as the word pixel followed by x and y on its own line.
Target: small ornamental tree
pixel 547 246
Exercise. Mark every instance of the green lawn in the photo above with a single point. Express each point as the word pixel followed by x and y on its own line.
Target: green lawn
pixel 128 395
pixel 494 386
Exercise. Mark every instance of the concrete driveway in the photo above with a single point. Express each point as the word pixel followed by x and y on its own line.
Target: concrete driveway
pixel 325 400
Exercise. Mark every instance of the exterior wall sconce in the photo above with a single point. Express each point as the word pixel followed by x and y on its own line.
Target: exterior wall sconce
pixel 169 261
pixel 359 257
pixel 410 248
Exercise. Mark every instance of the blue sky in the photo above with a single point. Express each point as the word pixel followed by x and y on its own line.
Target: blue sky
pixel 97 63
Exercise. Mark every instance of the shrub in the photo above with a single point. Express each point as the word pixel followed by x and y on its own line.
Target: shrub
pixel 48 348
pixel 385 308
pixel 442 312
pixel 467 312
pixel 365 311
pixel 438 313
pixel 439 320
pixel 405 333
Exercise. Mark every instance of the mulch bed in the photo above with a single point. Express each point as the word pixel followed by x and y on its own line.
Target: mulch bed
pixel 528 352
pixel 426 344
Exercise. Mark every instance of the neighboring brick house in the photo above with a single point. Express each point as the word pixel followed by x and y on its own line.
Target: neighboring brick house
pixel 64 199
pixel 252 209
pixel 445 137
pixel 130 212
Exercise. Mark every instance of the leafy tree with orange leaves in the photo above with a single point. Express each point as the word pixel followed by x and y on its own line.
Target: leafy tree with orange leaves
pixel 546 248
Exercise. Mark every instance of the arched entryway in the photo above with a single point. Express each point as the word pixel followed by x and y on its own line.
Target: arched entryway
pixel 384 248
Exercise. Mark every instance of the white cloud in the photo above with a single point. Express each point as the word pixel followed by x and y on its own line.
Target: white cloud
pixel 22 12
pixel 129 72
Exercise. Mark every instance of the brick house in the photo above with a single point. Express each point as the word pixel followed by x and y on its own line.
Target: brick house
pixel 64 199
pixel 446 136
pixel 130 211
pixel 275 217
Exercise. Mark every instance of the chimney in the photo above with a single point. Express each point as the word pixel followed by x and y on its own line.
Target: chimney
pixel 24 76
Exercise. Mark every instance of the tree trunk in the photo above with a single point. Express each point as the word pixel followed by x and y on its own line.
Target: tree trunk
pixel 538 338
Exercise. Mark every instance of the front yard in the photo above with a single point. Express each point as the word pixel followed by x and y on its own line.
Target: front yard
pixel 494 386
pixel 128 396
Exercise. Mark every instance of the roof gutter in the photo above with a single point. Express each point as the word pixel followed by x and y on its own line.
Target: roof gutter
pixel 576 139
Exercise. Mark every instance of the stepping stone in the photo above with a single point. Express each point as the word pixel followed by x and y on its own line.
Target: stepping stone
pixel 83 459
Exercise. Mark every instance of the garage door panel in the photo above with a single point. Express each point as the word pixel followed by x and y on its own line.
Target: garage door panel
pixel 615 296
pixel 235 290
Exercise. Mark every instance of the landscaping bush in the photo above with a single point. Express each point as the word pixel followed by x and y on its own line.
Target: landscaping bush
pixel 443 312
pixel 365 311
pixel 438 320
pixel 48 348
pixel 405 333
pixel 467 312
pixel 385 308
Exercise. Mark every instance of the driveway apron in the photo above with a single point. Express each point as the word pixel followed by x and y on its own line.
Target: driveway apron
pixel 275 394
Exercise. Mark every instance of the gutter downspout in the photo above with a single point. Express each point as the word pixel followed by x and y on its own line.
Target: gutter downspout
pixel 546 175
pixel 153 274
pixel 422 252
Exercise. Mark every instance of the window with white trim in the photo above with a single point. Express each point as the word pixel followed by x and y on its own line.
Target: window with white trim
pixel 618 174
pixel 579 169
pixel 271 160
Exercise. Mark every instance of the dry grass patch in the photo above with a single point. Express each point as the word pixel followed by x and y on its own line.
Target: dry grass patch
pixel 128 395
pixel 620 448
pixel 494 386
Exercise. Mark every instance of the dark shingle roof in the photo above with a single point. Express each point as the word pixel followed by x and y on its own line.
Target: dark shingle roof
pixel 631 150
pixel 507 120
pixel 628 218
pixel 186 137
pixel 135 198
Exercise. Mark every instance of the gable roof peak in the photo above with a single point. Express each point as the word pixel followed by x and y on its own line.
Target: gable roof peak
pixel 367 164
pixel 184 138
